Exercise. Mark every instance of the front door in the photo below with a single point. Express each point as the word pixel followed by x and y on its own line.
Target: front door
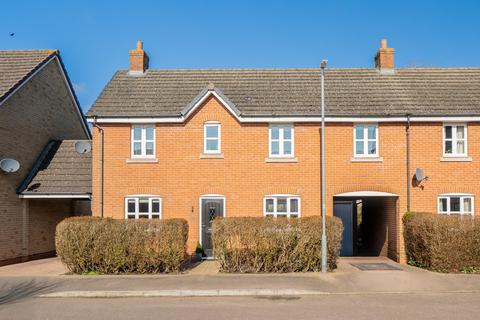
pixel 211 208
pixel 344 210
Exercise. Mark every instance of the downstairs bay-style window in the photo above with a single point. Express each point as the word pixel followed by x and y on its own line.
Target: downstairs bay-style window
pixel 280 141
pixel 281 206
pixel 365 142
pixel 143 141
pixel 455 140
pixel 455 204
pixel 143 207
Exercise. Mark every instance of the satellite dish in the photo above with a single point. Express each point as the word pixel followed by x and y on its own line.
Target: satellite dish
pixel 419 175
pixel 9 165
pixel 83 147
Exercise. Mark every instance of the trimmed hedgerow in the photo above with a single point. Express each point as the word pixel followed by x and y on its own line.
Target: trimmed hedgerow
pixel 112 246
pixel 261 244
pixel 442 243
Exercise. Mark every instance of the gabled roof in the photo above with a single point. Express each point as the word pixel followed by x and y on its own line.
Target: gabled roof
pixel 59 171
pixel 296 92
pixel 17 65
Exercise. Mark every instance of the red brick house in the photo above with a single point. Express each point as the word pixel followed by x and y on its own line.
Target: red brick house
pixel 195 144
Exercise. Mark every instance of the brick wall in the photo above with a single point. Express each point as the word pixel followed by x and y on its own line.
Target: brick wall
pixel 244 177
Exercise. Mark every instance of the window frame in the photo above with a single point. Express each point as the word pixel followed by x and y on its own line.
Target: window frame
pixel 143 142
pixel 454 140
pixel 365 140
pixel 462 197
pixel 137 212
pixel 281 140
pixel 288 214
pixel 205 138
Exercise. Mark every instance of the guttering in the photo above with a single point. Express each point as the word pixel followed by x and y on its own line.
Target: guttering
pixel 56 196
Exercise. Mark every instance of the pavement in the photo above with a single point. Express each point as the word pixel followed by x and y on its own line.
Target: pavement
pixel 40 289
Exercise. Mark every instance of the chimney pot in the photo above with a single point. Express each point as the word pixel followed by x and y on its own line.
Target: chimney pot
pixel 383 44
pixel 138 59
pixel 139 45
pixel 384 58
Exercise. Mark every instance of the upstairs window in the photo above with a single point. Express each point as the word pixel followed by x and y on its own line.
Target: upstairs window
pixel 455 140
pixel 365 140
pixel 281 206
pixel 143 141
pixel 455 204
pixel 143 207
pixel 281 141
pixel 212 137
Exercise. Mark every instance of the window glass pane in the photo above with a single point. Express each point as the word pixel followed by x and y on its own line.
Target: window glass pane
pixel 448 147
pixel 212 145
pixel 269 205
pixel 150 132
pixel 212 131
pixel 455 204
pixel 131 205
pixel 143 216
pixel 287 147
pixel 448 132
pixel 294 216
pixel 372 147
pixel 358 132
pixel 467 204
pixel 460 147
pixel 293 205
pixel 281 205
pixel 372 132
pixel 156 216
pixel 274 132
pixel 143 205
pixel 287 133
pixel 137 133
pixel 137 148
pixel 155 205
pixel 359 145
pixel 130 216
pixel 443 205
pixel 275 147
pixel 460 132
pixel 149 150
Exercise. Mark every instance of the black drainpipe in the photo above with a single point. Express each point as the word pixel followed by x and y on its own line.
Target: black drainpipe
pixel 408 162
pixel 101 165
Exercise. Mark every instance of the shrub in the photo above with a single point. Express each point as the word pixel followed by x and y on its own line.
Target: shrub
pixel 274 245
pixel 442 243
pixel 104 245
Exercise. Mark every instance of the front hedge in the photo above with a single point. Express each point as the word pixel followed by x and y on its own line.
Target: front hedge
pixel 442 243
pixel 274 245
pixel 106 246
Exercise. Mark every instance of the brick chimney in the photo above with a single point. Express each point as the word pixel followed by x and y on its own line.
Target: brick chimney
pixel 138 59
pixel 384 57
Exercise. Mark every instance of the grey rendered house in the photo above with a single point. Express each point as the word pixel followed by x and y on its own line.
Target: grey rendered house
pixel 40 122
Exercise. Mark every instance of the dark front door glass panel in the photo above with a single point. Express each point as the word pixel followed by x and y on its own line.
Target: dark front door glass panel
pixel 211 209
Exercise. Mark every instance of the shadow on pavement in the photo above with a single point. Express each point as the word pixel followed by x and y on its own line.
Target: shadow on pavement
pixel 11 291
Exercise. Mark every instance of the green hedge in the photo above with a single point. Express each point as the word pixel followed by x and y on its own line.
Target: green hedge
pixel 442 243
pixel 274 245
pixel 112 246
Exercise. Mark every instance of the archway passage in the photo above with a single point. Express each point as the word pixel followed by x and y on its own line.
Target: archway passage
pixel 370 223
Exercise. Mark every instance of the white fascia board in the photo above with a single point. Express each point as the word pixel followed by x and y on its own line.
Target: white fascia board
pixel 55 196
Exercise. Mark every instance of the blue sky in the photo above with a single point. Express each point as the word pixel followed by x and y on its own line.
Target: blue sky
pixel 94 36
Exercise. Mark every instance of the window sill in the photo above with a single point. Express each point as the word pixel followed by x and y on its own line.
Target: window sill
pixel 281 160
pixel 142 160
pixel 211 156
pixel 366 159
pixel 456 159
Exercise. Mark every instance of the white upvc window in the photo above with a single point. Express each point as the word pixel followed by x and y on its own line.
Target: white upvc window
pixel 461 204
pixel 143 141
pixel 455 140
pixel 282 206
pixel 281 141
pixel 365 140
pixel 143 207
pixel 212 137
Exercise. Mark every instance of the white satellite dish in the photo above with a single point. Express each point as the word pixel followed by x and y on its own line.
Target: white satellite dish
pixel 83 147
pixel 9 165
pixel 419 175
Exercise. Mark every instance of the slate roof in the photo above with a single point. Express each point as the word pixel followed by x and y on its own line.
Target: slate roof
pixel 292 92
pixel 60 170
pixel 17 65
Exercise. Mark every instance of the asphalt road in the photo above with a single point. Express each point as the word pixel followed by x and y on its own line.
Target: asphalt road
pixel 376 306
